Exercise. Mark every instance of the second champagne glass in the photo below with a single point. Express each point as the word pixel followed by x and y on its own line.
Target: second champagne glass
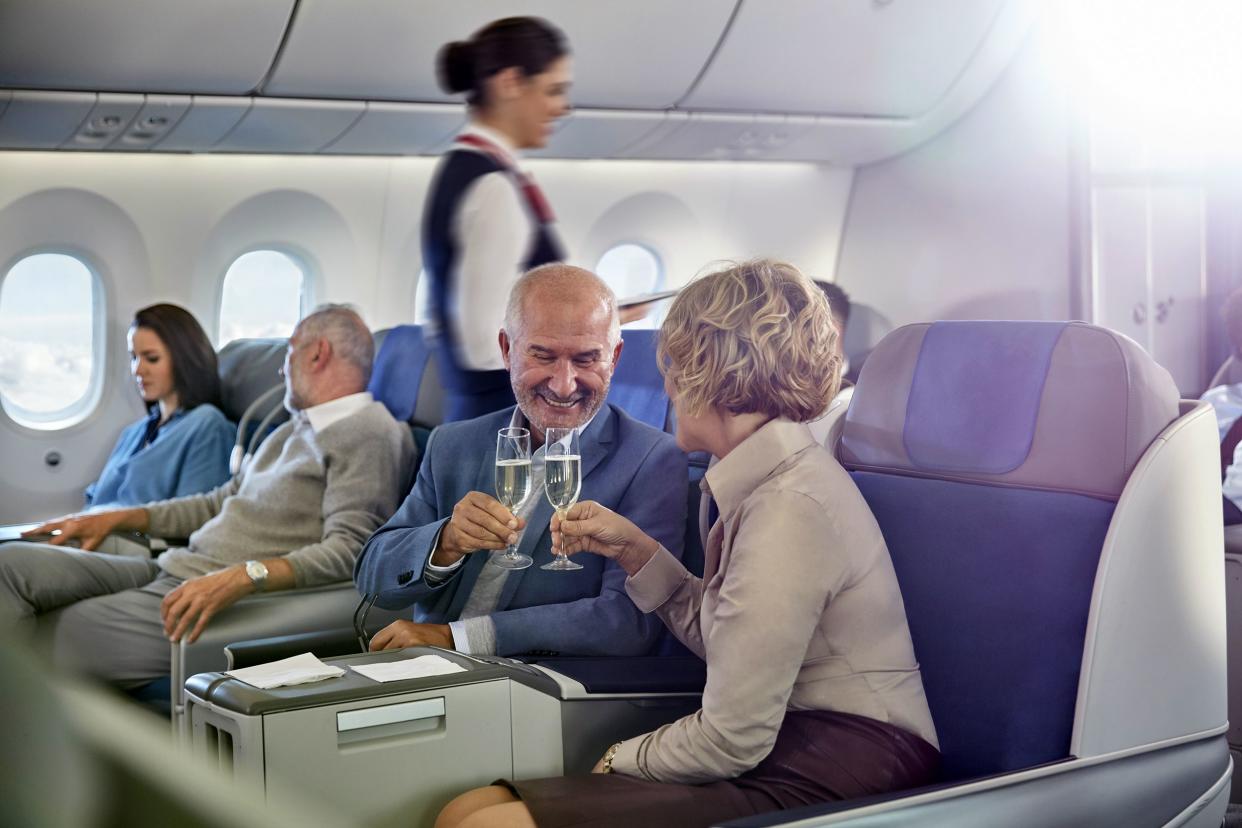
pixel 512 485
pixel 562 480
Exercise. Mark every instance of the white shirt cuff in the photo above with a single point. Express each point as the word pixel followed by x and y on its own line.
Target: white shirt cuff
pixel 461 640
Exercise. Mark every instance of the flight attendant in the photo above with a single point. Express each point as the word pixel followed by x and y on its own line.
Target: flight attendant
pixel 485 221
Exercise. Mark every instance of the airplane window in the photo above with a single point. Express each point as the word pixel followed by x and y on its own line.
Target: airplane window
pixel 262 296
pixel 630 270
pixel 50 320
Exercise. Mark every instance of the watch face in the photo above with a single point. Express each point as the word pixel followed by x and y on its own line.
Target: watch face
pixel 256 571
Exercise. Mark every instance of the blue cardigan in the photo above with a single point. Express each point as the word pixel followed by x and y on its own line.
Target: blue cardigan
pixel 189 455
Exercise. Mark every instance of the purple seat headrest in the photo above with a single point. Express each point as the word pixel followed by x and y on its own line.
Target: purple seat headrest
pixel 1060 406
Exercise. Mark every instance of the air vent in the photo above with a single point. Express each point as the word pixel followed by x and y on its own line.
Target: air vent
pixel 109 117
pixel 157 117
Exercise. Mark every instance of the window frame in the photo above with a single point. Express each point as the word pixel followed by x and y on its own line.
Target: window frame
pixel 89 402
pixel 306 295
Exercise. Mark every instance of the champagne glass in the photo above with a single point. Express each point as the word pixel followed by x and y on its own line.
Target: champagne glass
pixel 512 485
pixel 562 480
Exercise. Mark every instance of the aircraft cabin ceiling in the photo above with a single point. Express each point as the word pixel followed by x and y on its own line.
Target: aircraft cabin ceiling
pixel 844 82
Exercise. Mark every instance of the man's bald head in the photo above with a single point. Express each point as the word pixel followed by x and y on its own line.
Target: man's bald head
pixel 564 285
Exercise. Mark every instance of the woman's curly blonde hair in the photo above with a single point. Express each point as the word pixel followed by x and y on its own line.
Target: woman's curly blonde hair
pixel 757 337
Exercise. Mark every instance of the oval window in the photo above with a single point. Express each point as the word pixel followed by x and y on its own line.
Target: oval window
pixel 262 296
pixel 51 318
pixel 632 270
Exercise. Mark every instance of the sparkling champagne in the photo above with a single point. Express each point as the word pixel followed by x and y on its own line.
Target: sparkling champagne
pixel 562 480
pixel 512 482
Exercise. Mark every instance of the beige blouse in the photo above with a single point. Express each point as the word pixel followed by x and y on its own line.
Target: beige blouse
pixel 798 609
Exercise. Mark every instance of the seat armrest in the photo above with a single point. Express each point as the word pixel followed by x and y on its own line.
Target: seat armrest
pixel 320 643
pixel 640 675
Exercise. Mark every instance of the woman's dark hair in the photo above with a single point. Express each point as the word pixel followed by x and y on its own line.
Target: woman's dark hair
pixel 529 43
pixel 196 377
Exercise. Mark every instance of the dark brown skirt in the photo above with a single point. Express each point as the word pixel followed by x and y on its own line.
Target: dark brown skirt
pixel 819 756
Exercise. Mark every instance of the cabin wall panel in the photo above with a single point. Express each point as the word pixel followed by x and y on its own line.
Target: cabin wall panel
pixel 355 220
pixel 976 223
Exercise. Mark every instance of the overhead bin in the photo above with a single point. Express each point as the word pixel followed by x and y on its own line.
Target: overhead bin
pixel 399 129
pixel 291 125
pixel 220 47
pixel 808 56
pixel 636 54
pixel 43 120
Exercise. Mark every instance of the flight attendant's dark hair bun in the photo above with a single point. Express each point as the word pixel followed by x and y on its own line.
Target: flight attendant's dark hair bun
pixel 529 43
pixel 456 67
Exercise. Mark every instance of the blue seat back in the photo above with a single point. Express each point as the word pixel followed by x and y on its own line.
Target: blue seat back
pixel 397 374
pixel 992 455
pixel 637 385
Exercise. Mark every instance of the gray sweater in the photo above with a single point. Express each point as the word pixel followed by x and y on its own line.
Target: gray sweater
pixel 311 497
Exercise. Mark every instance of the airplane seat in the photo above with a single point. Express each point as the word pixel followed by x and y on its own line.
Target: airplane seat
pixel 637 385
pixel 406 380
pixel 252 391
pixel 1229 373
pixel 1051 510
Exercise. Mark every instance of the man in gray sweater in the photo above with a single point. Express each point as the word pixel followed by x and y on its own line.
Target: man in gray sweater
pixel 296 516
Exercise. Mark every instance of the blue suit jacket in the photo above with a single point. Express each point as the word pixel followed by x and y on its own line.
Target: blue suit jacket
pixel 629 467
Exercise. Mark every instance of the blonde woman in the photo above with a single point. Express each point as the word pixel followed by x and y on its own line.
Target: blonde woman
pixel 813 693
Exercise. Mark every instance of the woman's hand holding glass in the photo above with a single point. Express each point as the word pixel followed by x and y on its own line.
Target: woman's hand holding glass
pixel 590 527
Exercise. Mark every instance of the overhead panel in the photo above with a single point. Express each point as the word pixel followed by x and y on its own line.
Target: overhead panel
pixel 640 53
pixel 673 122
pixel 887 58
pixel 277 125
pixel 43 120
pixel 399 129
pixel 844 141
pixel 712 136
pixel 157 118
pixel 208 120
pixel 218 47
pixel 599 133
pixel 109 118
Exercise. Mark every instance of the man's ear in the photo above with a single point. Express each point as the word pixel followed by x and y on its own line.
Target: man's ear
pixel 504 347
pixel 321 354
pixel 616 353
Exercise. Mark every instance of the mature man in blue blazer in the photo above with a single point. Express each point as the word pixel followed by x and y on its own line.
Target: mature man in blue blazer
pixel 560 343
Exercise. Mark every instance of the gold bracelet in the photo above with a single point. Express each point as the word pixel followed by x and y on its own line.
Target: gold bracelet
pixel 608 756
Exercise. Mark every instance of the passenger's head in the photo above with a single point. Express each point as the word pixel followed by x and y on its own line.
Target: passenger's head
pixel 838 302
pixel 754 339
pixel 514 71
pixel 1233 320
pixel 329 356
pixel 561 342
pixel 171 358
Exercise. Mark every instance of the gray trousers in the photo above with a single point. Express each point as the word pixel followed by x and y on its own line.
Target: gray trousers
pixel 100 612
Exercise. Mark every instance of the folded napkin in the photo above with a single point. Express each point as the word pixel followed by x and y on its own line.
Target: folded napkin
pixel 408 668
pixel 299 669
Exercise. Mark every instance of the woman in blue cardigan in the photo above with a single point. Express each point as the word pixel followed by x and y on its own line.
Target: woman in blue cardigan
pixel 182 446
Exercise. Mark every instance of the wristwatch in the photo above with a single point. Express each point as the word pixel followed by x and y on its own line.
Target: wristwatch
pixel 257 572
pixel 608 757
